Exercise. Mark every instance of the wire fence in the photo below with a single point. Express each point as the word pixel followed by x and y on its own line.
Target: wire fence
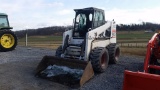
pixel 135 45
pixel 54 44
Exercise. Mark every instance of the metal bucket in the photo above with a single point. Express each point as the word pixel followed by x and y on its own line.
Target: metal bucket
pixel 66 78
pixel 140 81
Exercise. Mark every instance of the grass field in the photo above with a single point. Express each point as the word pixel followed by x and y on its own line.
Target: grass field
pixel 42 38
pixel 134 36
pixel 41 41
pixel 133 43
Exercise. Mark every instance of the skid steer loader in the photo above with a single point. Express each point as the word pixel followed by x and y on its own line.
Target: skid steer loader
pixel 8 40
pixel 150 78
pixel 89 47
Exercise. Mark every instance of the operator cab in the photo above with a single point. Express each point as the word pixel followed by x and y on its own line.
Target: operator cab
pixel 4 23
pixel 87 19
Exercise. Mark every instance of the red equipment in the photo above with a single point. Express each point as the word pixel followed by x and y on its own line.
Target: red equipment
pixel 149 79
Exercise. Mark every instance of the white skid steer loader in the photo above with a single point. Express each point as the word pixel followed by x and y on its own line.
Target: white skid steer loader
pixel 90 46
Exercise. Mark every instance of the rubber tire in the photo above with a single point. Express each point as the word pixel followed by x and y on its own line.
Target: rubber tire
pixel 59 51
pixel 96 56
pixel 114 53
pixel 2 32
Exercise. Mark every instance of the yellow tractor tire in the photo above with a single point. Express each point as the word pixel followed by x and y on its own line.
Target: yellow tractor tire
pixel 8 40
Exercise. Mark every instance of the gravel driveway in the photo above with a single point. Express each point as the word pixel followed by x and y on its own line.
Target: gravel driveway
pixel 17 71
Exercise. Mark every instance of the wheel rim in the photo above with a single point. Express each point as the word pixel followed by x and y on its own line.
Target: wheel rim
pixel 117 53
pixel 103 60
pixel 7 41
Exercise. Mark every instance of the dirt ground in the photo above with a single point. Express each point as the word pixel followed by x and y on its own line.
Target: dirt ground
pixel 17 69
pixel 20 76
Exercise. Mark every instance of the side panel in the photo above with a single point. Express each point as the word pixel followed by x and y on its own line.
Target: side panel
pixel 100 43
pixel 113 33
pixel 69 32
pixel 87 47
pixel 140 81
pixel 91 35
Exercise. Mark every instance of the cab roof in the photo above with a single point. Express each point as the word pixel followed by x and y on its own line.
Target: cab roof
pixel 3 14
pixel 89 9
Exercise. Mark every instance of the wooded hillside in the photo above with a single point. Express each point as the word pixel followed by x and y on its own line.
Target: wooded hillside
pixel 58 30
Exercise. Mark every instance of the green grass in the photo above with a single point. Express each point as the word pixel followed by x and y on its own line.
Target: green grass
pixel 42 41
pixel 134 38
pixel 132 35
pixel 42 38
pixel 133 51
pixel 124 37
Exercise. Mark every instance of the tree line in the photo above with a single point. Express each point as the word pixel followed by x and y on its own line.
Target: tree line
pixel 138 27
pixel 53 30
pixel 58 30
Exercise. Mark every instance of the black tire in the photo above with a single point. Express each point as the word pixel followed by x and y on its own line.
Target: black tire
pixel 59 51
pixel 114 53
pixel 11 40
pixel 99 59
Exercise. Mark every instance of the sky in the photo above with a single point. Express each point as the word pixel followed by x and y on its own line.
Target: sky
pixel 32 14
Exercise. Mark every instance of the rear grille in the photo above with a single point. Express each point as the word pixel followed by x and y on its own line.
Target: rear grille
pixel 73 51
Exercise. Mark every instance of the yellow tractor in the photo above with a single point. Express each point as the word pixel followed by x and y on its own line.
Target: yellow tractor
pixel 8 40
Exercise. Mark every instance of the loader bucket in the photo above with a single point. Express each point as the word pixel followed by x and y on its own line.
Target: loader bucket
pixel 140 81
pixel 70 72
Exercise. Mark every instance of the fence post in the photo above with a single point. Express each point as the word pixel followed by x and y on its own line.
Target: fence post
pixel 26 39
pixel 136 45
